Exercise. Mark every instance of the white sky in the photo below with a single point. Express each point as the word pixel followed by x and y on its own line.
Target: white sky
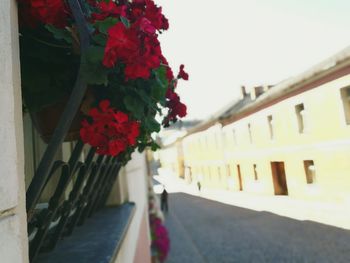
pixel 228 43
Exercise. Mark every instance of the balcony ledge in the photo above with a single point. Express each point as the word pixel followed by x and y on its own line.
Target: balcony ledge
pixel 98 240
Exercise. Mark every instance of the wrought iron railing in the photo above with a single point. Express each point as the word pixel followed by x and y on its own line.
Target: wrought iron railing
pixel 93 177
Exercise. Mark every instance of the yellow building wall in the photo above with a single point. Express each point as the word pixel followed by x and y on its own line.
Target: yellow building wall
pixel 204 153
pixel 326 141
pixel 171 159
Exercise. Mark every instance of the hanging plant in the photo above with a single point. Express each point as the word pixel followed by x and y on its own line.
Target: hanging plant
pixel 160 239
pixel 131 83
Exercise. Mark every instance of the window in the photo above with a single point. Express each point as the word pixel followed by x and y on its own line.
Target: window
pixel 299 111
pixel 345 96
pixel 255 172
pixel 250 133
pixel 239 178
pixel 310 171
pixel 270 123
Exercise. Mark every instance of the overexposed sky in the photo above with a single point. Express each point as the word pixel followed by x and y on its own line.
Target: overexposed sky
pixel 228 43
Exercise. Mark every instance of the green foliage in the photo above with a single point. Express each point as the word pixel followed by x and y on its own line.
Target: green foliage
pixel 125 21
pixel 60 34
pixel 104 25
pixel 100 39
pixel 159 89
pixel 50 61
pixel 93 70
pixel 135 106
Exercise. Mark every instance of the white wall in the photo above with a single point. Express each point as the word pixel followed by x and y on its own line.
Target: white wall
pixel 136 245
pixel 13 232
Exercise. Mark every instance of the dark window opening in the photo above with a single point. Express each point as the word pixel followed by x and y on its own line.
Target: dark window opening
pixel 299 110
pixel 270 123
pixel 310 173
pixel 279 178
pixel 255 172
pixel 250 133
pixel 239 177
pixel 345 96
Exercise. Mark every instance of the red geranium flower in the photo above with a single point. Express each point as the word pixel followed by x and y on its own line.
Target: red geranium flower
pixel 110 131
pixel 122 44
pixel 35 12
pixel 176 107
pixel 109 9
pixel 182 74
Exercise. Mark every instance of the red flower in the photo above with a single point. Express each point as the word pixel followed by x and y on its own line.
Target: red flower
pixel 141 66
pixel 122 44
pixel 35 12
pixel 109 9
pixel 140 54
pixel 182 74
pixel 160 238
pixel 154 14
pixel 110 131
pixel 146 26
pixel 176 107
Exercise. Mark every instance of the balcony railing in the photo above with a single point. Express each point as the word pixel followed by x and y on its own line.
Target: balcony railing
pixel 88 182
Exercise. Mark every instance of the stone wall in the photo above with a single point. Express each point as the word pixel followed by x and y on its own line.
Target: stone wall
pixel 13 232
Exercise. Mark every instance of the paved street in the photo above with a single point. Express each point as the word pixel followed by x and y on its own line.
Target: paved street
pixel 202 230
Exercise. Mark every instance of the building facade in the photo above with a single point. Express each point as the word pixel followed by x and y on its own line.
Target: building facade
pixel 291 139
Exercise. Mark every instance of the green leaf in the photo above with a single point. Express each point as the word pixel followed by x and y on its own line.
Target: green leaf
pixel 60 34
pixel 93 70
pixel 100 39
pixel 154 146
pixel 159 89
pixel 135 106
pixel 152 125
pixel 125 21
pixel 95 54
pixel 104 25
pixel 161 76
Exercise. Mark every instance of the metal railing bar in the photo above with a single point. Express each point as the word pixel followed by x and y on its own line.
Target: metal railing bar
pixel 84 170
pixel 98 185
pixel 107 181
pixel 75 156
pixel 84 198
pixel 109 187
pixel 93 190
pixel 73 198
pixel 95 201
pixel 36 186
pixel 49 214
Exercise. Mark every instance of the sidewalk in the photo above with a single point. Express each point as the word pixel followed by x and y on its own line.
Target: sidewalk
pixel 333 214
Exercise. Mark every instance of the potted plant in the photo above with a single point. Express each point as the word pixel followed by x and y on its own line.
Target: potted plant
pixel 132 89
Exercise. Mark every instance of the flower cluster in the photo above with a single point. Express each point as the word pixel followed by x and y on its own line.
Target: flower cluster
pixel 110 131
pixel 124 64
pixel 35 12
pixel 134 43
pixel 175 106
pixel 160 238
